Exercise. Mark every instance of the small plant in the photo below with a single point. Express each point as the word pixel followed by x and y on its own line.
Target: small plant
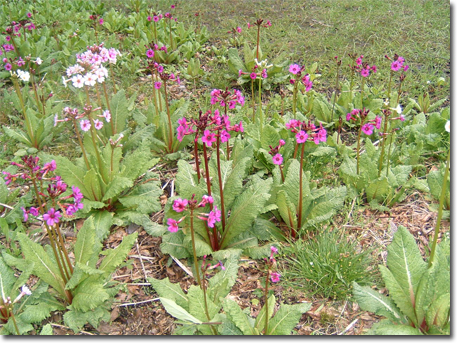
pixel 327 264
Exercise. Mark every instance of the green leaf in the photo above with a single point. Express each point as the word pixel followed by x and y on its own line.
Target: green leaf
pixel 286 318
pixel 438 313
pixel 87 247
pixel 235 62
pixel 46 330
pixel 227 326
pixel 166 289
pixel 117 256
pixel 119 110
pixel 406 268
pixel 373 301
pixel 144 198
pixel 197 304
pixel 261 317
pixel 89 295
pixel 235 314
pixel 245 209
pixel 103 221
pixel 178 312
pixel 73 175
pixel 44 267
pixel 186 181
pixel 116 186
pixel 387 328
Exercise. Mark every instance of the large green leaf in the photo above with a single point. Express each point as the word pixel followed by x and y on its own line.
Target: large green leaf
pixel 286 318
pixel 117 185
pixel 261 317
pixel 197 304
pixel 438 313
pixel 44 267
pixel 371 300
pixel 117 256
pixel 406 268
pixel 166 289
pixel 178 312
pixel 87 247
pixel 245 209
pixel 235 314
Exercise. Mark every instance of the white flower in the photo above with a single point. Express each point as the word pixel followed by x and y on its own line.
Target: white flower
pixel 65 82
pixel 24 76
pixel 98 124
pixel 106 114
pixel 25 290
pixel 78 81
pixel 398 109
pixel 447 126
pixel 90 79
pixel 39 61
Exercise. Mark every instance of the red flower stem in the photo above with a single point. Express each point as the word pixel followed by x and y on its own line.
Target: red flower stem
pixel 220 182
pixel 299 218
pixel 170 136
pixel 196 155
pixel 215 245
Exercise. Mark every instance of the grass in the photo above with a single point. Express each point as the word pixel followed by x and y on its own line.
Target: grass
pixel 317 31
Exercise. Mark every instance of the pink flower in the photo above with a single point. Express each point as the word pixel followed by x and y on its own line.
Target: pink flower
pixel 208 199
pixel 359 61
pixel 282 143
pixel 378 121
pixel 402 118
pixel 301 136
pixel 34 211
pixel 214 216
pixel 98 124
pixel 275 277
pixel 374 69
pixel 106 114
pixel 253 76
pixel 405 68
pixel 264 74
pixel 25 214
pixel 278 159
pixel 292 81
pixel 240 72
pixel 224 136
pixel 367 129
pixel 52 217
pixel 29 15
pixel 100 21
pixel 85 125
pixel 49 166
pixel 365 72
pixel 157 85
pixel 149 18
pixel 150 53
pixel 8 66
pixel 208 138
pixel 239 29
pixel 179 205
pixel 173 225
pixel 395 66
pixel 294 68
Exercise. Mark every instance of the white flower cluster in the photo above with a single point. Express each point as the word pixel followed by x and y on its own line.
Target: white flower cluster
pixel 23 75
pixel 89 68
pixel 263 64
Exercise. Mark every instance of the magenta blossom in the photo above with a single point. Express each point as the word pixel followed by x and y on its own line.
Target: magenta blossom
pixel 367 129
pixel 179 205
pixel 208 138
pixel 253 76
pixel 396 65
pixel 275 277
pixel 85 125
pixel 294 68
pixel 173 225
pixel 278 159
pixel 52 217
pixel 301 136
pixel 150 53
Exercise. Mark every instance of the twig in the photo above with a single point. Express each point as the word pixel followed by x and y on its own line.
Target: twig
pixel 181 265
pixel 6 206
pixel 139 302
pixel 140 259
pixel 349 327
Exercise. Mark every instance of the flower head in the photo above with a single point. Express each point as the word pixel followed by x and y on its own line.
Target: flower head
pixel 85 125
pixel 275 277
pixel 179 205
pixel 301 136
pixel 52 217
pixel 173 225
pixel 278 159
pixel 294 68
pixel 367 129
pixel 208 138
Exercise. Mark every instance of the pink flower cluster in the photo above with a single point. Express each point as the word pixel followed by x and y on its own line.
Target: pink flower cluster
pixel 363 68
pixel 305 131
pixel 89 68
pixel 227 97
pixel 259 22
pixel 298 71
pixel 85 124
pixel 207 125
pixel 368 127
pixel 28 170
pixel 398 63
pixel 277 157
pixel 180 205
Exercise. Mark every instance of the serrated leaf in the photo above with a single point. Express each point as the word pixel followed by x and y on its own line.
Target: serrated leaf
pixel 406 268
pixel 89 295
pixel 118 255
pixel 44 267
pixel 144 198
pixel 235 314
pixel 86 248
pixel 371 300
pixel 245 209
pixel 166 289
pixel 117 185
pixel 386 328
pixel 178 312
pixel 261 317
pixel 197 304
pixel 286 318
pixel 438 313
pixel 102 221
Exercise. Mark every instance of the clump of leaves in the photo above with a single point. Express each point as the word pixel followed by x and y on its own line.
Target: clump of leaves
pixel 419 295
pixel 327 265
